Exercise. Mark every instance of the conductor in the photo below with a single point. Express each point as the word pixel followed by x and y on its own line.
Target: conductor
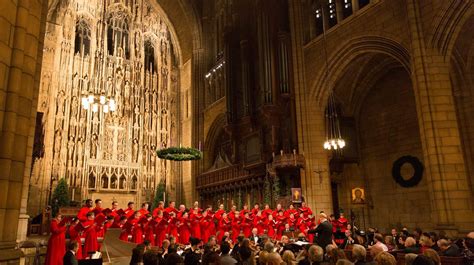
pixel 323 232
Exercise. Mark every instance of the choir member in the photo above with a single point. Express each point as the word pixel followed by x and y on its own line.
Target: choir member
pixel 124 232
pixel 161 228
pixel 136 228
pixel 90 232
pixel 184 229
pixel 267 211
pixel 171 208
pixel 236 226
pixel 278 208
pixel 269 226
pixel 301 224
pixel 305 209
pixel 82 215
pixel 280 225
pixel 181 210
pixel 218 213
pixel 291 210
pixel 256 209
pixel 195 219
pixel 173 225
pixel 75 232
pixel 244 210
pixel 159 208
pixel 247 224
pixel 205 225
pixel 196 206
pixel 224 226
pixel 129 211
pixel 57 242
pixel 98 207
pixel 144 209
pixel 258 222
pixel 233 212
pixel 149 229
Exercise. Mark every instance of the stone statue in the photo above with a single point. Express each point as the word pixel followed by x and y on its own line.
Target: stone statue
pixel 94 146
pixel 135 150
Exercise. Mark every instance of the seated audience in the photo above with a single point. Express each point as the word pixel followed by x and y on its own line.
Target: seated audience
pixel 385 258
pixel 448 249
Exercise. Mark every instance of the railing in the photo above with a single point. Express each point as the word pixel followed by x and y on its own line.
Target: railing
pixel 220 176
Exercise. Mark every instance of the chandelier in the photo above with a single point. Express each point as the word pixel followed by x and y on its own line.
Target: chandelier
pixel 96 102
pixel 334 139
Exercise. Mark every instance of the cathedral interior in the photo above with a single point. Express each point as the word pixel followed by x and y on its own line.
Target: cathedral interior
pixel 361 106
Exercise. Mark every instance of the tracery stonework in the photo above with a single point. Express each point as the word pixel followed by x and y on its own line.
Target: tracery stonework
pixel 128 56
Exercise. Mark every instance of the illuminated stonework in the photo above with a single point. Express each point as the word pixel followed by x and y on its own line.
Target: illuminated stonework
pixel 126 54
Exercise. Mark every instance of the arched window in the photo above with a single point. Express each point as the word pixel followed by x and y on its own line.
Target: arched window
pixel 113 182
pixel 91 181
pixel 105 182
pixel 118 35
pixel 149 56
pixel 318 19
pixel 123 182
pixel 83 37
pixel 133 185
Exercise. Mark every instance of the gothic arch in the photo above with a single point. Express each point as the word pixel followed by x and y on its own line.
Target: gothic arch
pixel 216 128
pixel 338 63
pixel 450 20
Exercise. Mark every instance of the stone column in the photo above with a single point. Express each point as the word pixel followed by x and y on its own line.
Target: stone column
pixel 19 45
pixel 310 119
pixel 451 199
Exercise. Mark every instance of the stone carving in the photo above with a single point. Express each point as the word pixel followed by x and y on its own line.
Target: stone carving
pixel 107 150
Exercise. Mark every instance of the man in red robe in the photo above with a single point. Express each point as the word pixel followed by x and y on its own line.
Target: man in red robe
pixel 196 206
pixel 266 211
pixel 75 230
pixel 305 209
pixel 236 226
pixel 224 226
pixel 278 208
pixel 159 208
pixel 291 210
pixel 232 213
pixel 218 214
pixel 161 228
pixel 90 233
pixel 57 242
pixel 256 209
pixel 195 219
pixel 184 229
pixel 98 207
pixel 129 211
pixel 247 224
pixel 244 210
pixel 173 225
pixel 144 209
pixel 171 208
pixel 124 231
pixel 82 215
pixel 205 225
pixel 280 225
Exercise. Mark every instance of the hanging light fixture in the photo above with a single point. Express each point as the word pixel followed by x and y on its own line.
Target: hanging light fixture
pixel 334 140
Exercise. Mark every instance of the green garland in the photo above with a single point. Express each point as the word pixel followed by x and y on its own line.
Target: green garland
pixel 179 153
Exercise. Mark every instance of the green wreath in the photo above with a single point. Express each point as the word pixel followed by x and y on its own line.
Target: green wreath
pixel 415 179
pixel 179 153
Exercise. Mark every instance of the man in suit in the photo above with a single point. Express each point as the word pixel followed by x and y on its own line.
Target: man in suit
pixel 70 257
pixel 323 232
pixel 254 237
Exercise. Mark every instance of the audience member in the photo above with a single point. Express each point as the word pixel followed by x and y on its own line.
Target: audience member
pixel 289 257
pixel 433 255
pixel 226 259
pixel 410 246
pixel 359 254
pixel 385 258
pixel 70 256
pixel 448 249
pixel 409 258
pixel 422 260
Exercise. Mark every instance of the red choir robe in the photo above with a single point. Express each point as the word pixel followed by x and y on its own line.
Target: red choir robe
pixel 266 213
pixel 206 229
pixel 90 233
pixel 292 222
pixel 301 225
pixel 311 224
pixel 224 226
pixel 149 231
pixel 247 224
pixel 137 230
pixel 212 223
pixel 157 210
pixel 56 244
pixel 117 215
pixel 160 230
pixel 243 212
pixel 270 227
pixel 306 211
pixel 280 226
pixel 195 225
pixel 97 210
pixel 258 222
pixel 231 215
pixel 144 212
pixel 75 234
pixel 129 212
pixel 276 211
pixel 288 212
pixel 124 231
pixel 218 214
pixel 82 215
pixel 184 230
pixel 173 227
pixel 254 211
pixel 236 228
